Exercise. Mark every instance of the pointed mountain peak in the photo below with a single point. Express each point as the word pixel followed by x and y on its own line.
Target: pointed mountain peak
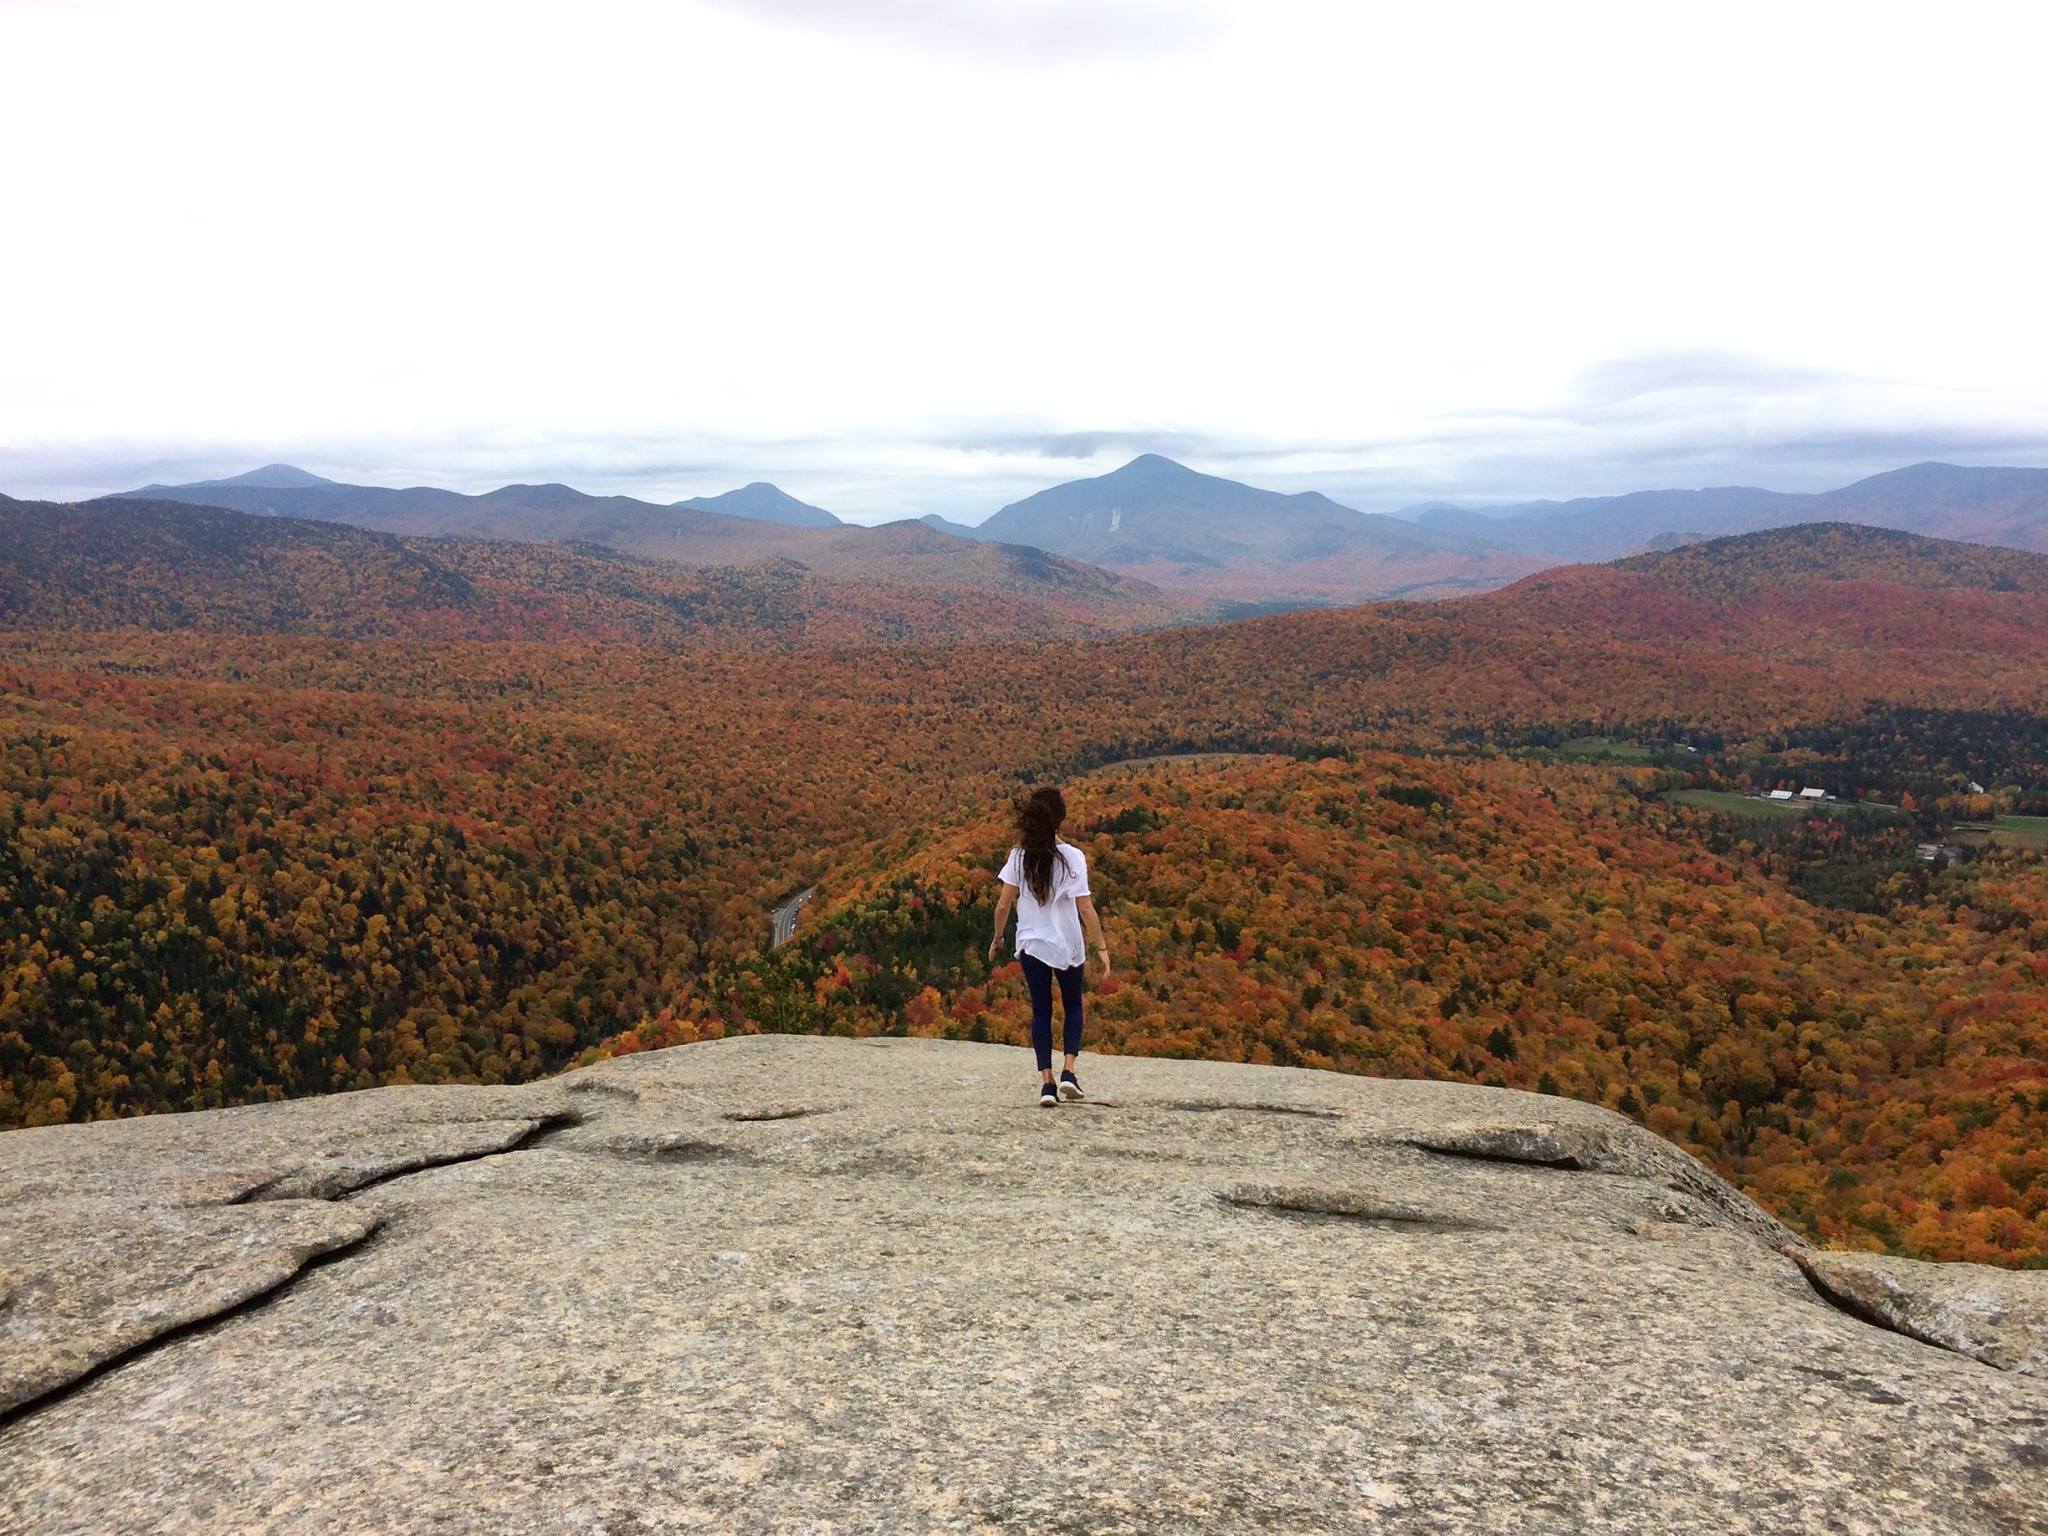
pixel 1154 467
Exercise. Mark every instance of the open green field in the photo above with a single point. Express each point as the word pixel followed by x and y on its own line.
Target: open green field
pixel 2029 832
pixel 1608 748
pixel 1729 802
pixel 2025 831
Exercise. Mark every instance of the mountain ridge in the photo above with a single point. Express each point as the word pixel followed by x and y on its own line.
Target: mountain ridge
pixel 886 556
pixel 1205 537
pixel 1984 504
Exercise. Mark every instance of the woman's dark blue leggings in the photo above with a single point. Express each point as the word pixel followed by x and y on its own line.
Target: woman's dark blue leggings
pixel 1038 977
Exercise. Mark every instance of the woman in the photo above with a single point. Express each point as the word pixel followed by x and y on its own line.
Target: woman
pixel 1046 881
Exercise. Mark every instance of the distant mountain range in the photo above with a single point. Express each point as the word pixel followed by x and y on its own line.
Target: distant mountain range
pixel 1210 540
pixel 756 523
pixel 1199 533
pixel 511 511
pixel 139 563
pixel 1948 501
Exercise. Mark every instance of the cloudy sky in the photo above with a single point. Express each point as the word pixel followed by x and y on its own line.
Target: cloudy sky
pixel 904 256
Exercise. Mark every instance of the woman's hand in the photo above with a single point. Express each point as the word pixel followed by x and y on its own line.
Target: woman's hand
pixel 993 945
pixel 1104 954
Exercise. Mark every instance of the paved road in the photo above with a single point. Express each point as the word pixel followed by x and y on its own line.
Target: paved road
pixel 785 915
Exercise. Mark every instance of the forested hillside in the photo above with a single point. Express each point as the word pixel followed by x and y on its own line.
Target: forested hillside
pixel 1873 1076
pixel 1506 838
pixel 1821 593
pixel 124 562
pixel 755 524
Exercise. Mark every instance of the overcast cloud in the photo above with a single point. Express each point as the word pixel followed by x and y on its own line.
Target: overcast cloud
pixel 907 255
pixel 1034 34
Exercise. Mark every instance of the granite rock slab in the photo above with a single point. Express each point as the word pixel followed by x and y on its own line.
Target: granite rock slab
pixel 849 1286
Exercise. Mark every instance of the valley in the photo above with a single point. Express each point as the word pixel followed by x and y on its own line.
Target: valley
pixel 260 847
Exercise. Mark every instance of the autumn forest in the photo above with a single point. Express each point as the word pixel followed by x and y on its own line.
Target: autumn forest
pixel 487 810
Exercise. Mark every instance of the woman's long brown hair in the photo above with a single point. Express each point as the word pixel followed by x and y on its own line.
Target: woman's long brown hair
pixel 1039 813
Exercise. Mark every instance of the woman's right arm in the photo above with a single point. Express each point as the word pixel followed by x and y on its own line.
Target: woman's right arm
pixel 1085 906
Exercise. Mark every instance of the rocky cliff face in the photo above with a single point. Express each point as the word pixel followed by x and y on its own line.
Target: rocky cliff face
pixel 794 1284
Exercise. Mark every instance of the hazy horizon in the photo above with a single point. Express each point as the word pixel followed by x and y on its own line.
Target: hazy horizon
pixel 975 516
pixel 903 257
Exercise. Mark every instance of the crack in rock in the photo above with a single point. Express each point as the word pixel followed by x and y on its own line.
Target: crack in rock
pixel 536 1132
pixel 1346 1204
pixel 1611 1146
pixel 1259 1106
pixel 545 1129
pixel 779 1112
pixel 1996 1316
pixel 1577 1148
pixel 97 1283
pixel 94 1282
pixel 348 1170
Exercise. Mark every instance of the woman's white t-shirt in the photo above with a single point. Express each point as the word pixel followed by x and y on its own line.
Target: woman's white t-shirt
pixel 1050 930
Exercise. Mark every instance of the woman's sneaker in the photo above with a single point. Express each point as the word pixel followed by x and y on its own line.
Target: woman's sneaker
pixel 1048 1096
pixel 1070 1085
